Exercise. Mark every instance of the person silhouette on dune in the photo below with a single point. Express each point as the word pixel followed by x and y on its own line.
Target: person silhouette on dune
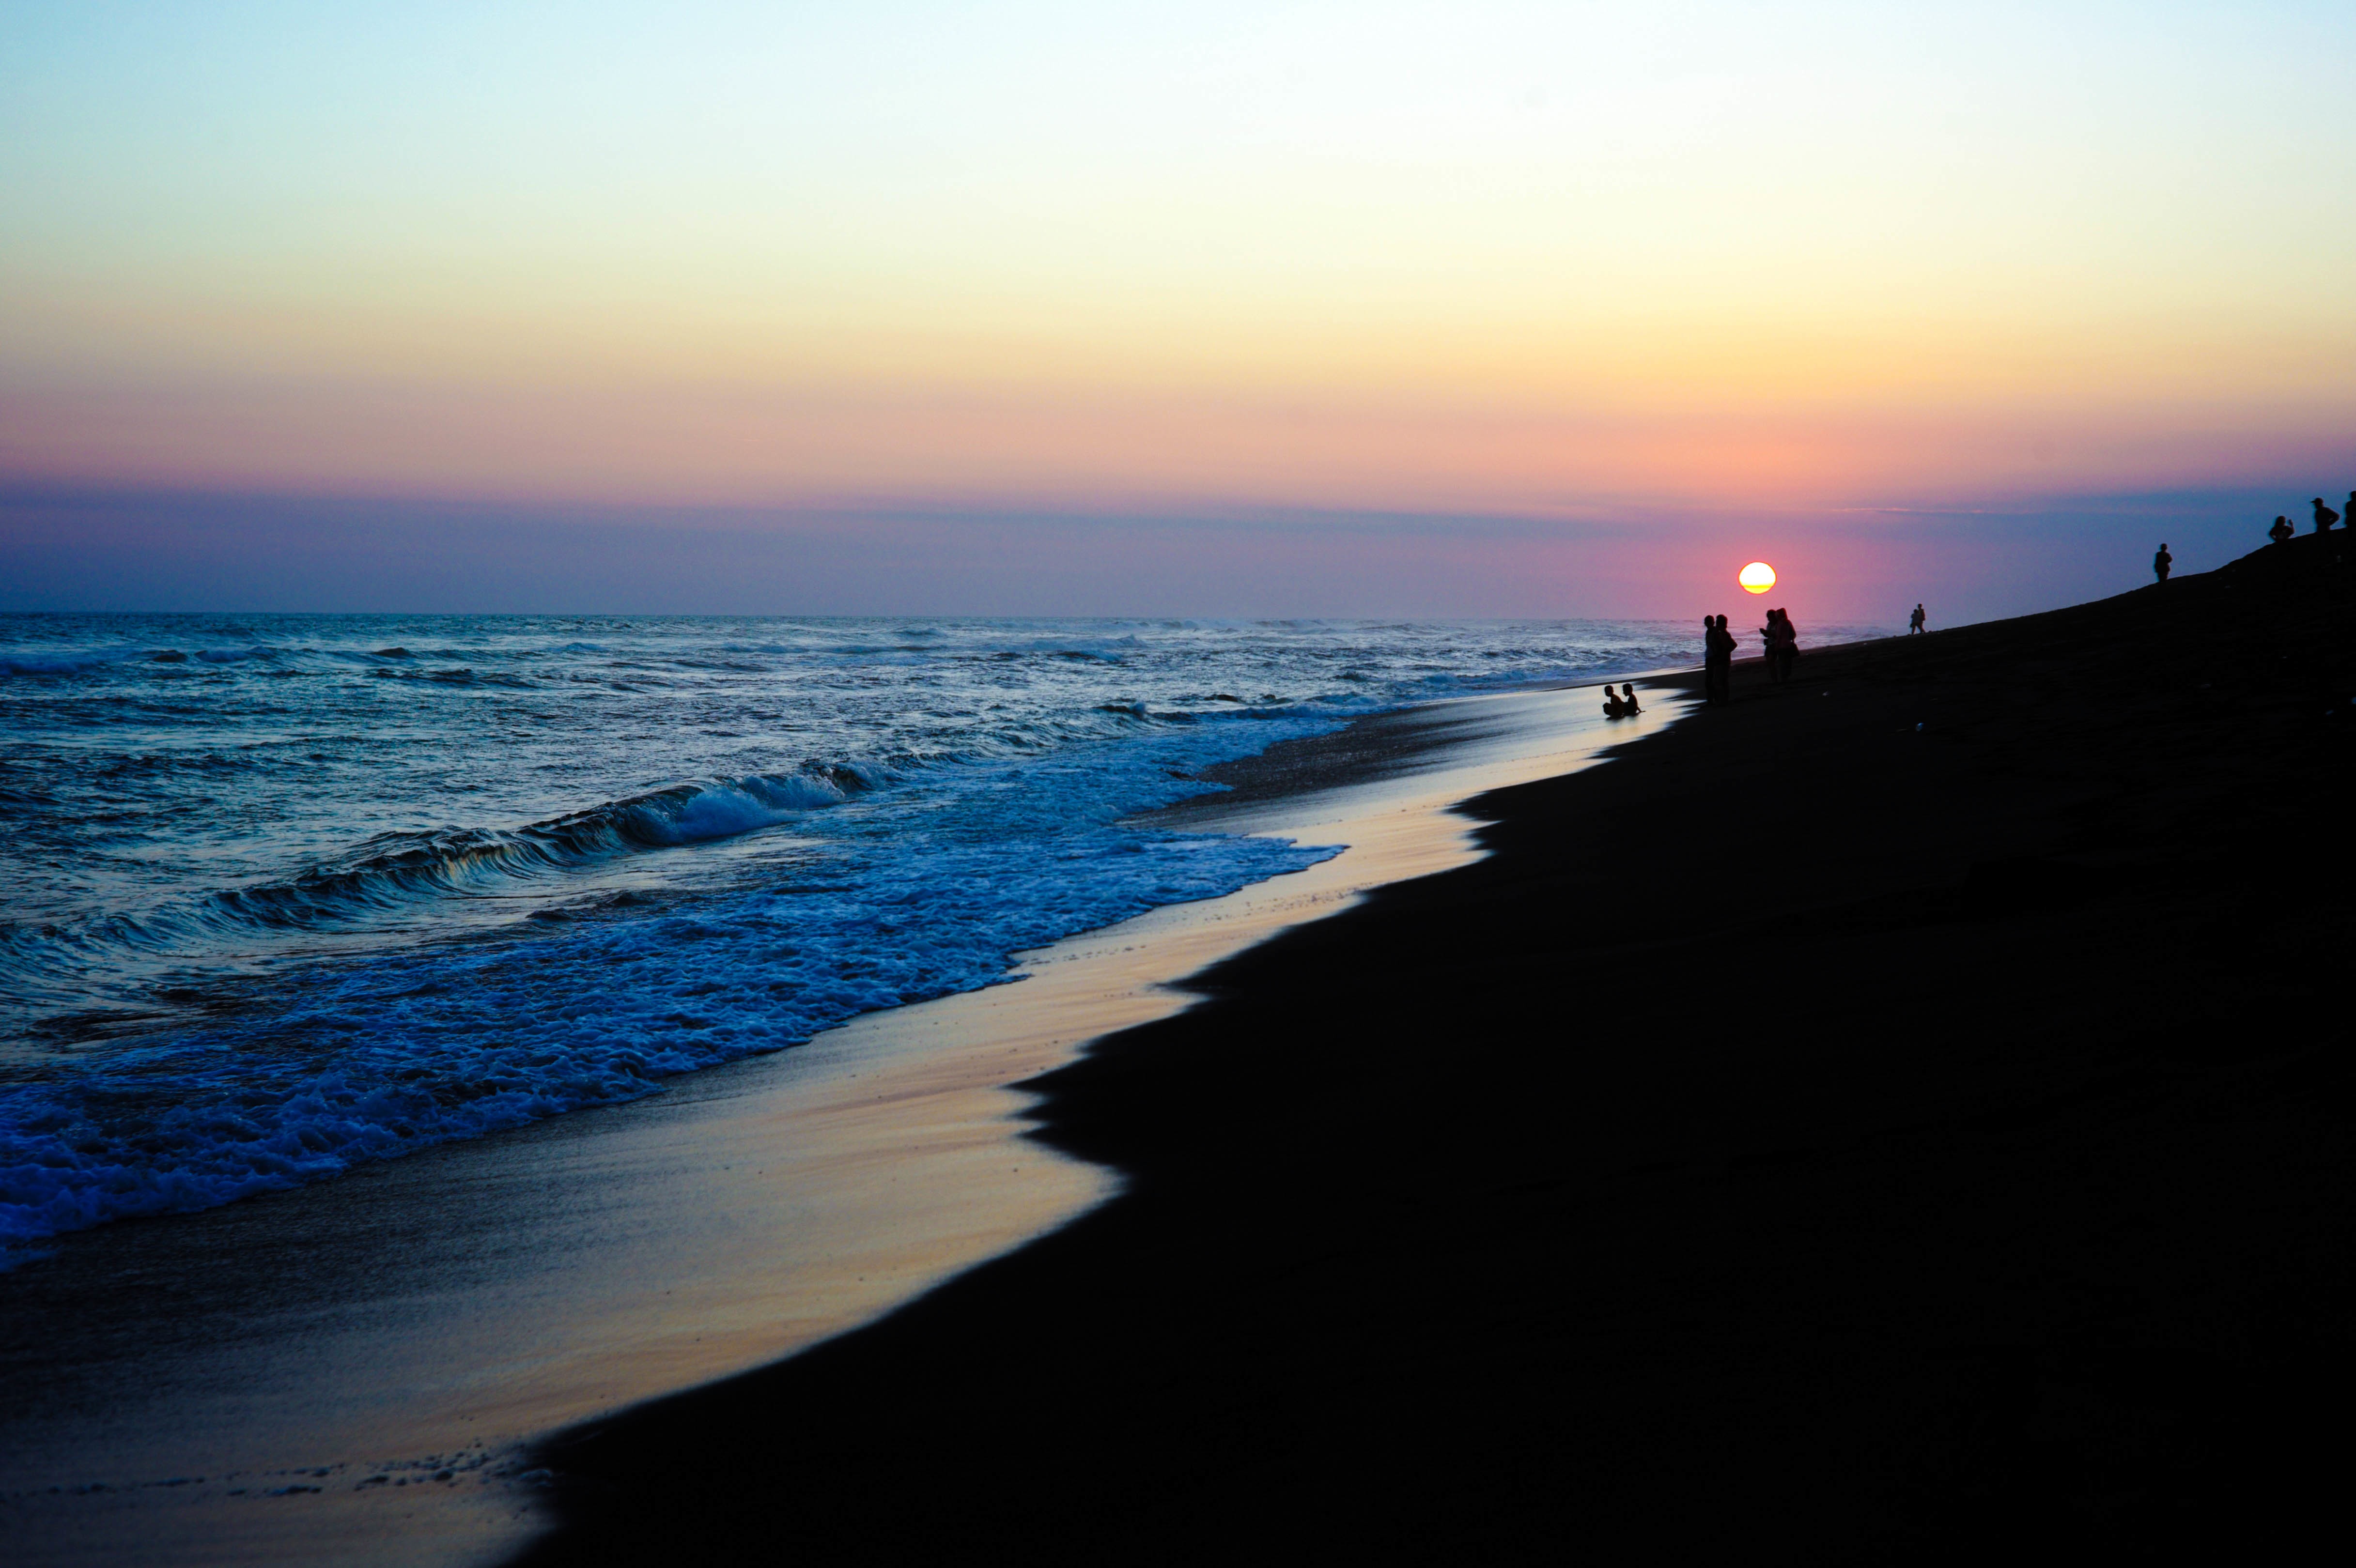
pixel 2324 516
pixel 2282 530
pixel 1914 623
pixel 2161 562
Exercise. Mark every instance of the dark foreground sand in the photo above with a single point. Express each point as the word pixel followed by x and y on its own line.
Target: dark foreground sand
pixel 1905 1115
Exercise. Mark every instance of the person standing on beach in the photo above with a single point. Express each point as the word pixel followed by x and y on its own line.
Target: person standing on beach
pixel 1718 661
pixel 2161 562
pixel 1785 648
pixel 2324 516
pixel 1914 623
pixel 2282 530
pixel 1771 639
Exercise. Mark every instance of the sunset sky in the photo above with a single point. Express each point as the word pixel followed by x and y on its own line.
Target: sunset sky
pixel 1220 309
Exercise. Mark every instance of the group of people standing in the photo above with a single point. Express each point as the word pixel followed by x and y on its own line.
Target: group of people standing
pixel 1782 651
pixel 2324 518
pixel 2283 532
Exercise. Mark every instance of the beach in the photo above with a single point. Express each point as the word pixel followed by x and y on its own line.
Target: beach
pixel 1903 1113
pixel 352 1372
pixel 856 784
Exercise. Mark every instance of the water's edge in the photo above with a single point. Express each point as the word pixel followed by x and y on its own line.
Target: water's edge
pixel 497 1289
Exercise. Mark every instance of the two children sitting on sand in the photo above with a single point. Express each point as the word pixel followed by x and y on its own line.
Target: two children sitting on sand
pixel 1620 704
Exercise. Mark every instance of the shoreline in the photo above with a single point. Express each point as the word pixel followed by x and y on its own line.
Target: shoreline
pixel 447 1307
pixel 1882 1118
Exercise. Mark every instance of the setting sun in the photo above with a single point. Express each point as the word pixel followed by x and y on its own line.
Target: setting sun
pixel 1756 578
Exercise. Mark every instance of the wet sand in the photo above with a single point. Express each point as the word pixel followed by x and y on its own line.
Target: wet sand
pixel 226 1387
pixel 1903 1116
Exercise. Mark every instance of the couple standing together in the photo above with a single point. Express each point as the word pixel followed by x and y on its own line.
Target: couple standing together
pixel 1783 640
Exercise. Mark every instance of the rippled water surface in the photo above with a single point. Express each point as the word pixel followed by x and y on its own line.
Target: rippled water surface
pixel 288 892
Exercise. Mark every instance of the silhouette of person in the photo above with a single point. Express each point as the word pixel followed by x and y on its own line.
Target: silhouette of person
pixel 2282 530
pixel 1718 660
pixel 2161 562
pixel 1628 698
pixel 1783 648
pixel 2324 516
pixel 1612 709
pixel 1914 623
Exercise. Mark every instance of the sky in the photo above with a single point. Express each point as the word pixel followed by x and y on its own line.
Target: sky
pixel 1452 309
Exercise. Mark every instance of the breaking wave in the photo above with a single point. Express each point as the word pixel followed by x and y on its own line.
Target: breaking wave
pixel 394 869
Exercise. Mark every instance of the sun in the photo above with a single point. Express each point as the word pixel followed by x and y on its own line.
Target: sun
pixel 1757 578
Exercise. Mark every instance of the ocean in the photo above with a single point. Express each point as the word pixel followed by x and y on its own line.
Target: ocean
pixel 287 893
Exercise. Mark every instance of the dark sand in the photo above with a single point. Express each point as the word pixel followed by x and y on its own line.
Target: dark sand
pixel 1904 1115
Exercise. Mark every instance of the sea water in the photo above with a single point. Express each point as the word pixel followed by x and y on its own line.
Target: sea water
pixel 282 894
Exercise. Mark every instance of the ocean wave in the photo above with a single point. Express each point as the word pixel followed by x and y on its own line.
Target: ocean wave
pixel 411 863
pixel 155 766
pixel 692 813
pixel 58 664
pixel 376 1060
pixel 392 871
pixel 73 662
